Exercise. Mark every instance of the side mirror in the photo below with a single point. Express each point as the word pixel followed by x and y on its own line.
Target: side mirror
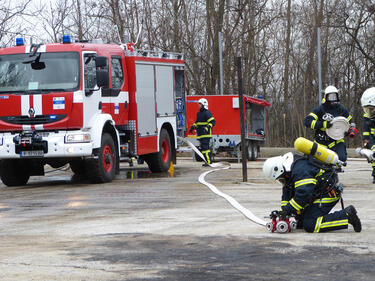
pixel 102 78
pixel 100 61
pixel 38 65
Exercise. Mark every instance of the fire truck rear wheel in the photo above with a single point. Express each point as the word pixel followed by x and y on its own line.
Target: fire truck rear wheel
pixel 161 161
pixel 103 169
pixel 13 173
pixel 252 151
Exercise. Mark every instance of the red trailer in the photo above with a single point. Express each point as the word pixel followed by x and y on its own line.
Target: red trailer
pixel 226 135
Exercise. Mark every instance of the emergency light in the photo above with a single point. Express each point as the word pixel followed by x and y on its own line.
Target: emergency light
pixel 19 41
pixel 66 39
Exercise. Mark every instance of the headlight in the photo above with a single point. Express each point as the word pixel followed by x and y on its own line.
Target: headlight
pixel 77 138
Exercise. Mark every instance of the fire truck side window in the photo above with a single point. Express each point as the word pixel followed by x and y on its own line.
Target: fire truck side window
pixel 117 73
pixel 90 73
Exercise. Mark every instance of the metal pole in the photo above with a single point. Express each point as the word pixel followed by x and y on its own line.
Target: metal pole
pixel 221 62
pixel 242 115
pixel 319 68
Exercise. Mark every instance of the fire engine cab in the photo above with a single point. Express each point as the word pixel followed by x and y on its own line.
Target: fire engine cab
pixel 89 105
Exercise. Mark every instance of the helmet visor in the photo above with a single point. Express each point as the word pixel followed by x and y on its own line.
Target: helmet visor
pixel 332 97
pixel 369 110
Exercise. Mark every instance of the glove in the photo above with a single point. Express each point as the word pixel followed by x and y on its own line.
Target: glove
pixel 366 144
pixel 274 214
pixel 191 130
pixel 352 132
pixel 282 214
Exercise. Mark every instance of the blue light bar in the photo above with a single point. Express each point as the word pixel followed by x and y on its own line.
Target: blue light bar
pixel 53 117
pixel 19 41
pixel 66 39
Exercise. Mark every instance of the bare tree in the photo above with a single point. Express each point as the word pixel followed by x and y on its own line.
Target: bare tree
pixel 11 15
pixel 55 15
pixel 277 40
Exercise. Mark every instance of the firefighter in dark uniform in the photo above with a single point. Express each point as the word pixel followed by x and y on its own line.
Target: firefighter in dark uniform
pixel 305 196
pixel 203 126
pixel 368 105
pixel 319 120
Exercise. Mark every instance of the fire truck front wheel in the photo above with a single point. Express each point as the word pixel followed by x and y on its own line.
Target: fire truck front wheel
pixel 103 169
pixel 78 167
pixel 14 172
pixel 161 161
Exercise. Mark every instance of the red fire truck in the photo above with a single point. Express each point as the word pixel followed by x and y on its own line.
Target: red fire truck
pixel 89 105
pixel 226 135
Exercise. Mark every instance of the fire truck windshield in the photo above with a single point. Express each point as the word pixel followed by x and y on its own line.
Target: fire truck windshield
pixel 44 72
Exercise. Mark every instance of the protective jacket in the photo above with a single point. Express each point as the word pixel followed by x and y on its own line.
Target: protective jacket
pixel 368 129
pixel 316 122
pixel 369 135
pixel 204 123
pixel 307 194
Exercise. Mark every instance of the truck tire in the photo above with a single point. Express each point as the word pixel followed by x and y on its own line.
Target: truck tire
pixel 13 173
pixel 252 151
pixel 161 161
pixel 103 169
pixel 255 152
pixel 78 167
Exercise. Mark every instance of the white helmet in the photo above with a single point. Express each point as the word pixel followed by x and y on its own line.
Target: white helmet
pixel 331 94
pixel 275 167
pixel 368 102
pixel 204 102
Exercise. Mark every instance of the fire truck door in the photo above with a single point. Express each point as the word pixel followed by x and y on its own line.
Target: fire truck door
pixel 145 97
pixel 165 97
pixel 115 98
pixel 92 91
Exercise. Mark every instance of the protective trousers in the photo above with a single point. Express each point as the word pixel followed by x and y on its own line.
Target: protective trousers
pixel 317 218
pixel 205 149
pixel 372 146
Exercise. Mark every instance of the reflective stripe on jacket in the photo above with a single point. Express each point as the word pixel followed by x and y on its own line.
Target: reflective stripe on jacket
pixel 204 123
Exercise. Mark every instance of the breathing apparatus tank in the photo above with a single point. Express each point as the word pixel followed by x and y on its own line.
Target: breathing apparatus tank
pixel 319 152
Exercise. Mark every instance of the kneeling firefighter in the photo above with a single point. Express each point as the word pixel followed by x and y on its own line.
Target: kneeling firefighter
pixel 203 126
pixel 310 191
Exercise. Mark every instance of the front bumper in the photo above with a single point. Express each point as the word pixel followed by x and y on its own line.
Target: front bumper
pixel 56 146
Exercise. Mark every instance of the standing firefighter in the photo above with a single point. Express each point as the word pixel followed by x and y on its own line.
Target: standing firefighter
pixel 309 193
pixel 320 120
pixel 203 126
pixel 368 105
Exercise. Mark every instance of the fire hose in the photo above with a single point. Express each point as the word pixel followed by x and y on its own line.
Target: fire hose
pixel 222 166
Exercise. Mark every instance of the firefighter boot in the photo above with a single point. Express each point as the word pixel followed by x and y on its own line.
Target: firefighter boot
pixel 353 219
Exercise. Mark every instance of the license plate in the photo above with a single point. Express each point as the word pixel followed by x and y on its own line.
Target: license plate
pixel 32 153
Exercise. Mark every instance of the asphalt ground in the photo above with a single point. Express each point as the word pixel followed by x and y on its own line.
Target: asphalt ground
pixel 145 226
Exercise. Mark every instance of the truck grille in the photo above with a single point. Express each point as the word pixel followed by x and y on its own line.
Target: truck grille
pixel 38 119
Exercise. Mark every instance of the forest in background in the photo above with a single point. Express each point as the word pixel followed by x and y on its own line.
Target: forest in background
pixel 277 40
